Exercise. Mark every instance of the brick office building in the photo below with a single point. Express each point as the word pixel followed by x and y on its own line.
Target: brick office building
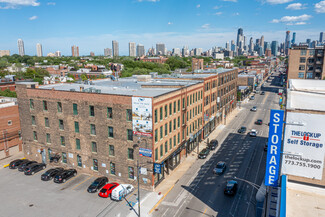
pixel 94 127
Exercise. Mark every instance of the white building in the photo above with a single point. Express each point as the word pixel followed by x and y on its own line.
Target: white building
pixel 132 49
pixel 21 48
pixel 39 51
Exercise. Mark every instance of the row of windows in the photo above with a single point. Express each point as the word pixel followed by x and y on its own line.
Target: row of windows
pixel 167 146
pixel 172 126
pixel 224 79
pixel 309 75
pixel 76 112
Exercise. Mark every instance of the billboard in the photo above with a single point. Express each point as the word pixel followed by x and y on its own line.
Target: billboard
pixel 142 116
pixel 274 148
pixel 304 145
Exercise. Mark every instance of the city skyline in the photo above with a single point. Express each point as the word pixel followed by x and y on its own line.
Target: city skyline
pixel 194 23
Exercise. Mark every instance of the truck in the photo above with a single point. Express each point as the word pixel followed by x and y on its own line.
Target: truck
pixel 121 191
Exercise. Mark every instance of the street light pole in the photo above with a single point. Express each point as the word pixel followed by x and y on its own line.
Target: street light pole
pixel 138 187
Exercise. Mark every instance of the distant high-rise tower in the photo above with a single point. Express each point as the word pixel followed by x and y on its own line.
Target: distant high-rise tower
pixel 160 49
pixel 293 41
pixel 75 51
pixel 321 37
pixel 251 45
pixel 227 46
pixel 233 46
pixel 140 50
pixel 58 53
pixel 185 51
pixel 107 52
pixel 287 43
pixel 240 35
pixel 21 49
pixel 274 48
pixel 39 50
pixel 132 49
pixel 115 48
pixel 262 44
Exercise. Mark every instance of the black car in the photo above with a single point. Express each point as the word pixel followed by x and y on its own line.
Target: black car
pixel 34 168
pixel 55 158
pixel 220 168
pixel 51 173
pixel 213 144
pixel 97 184
pixel 16 163
pixel 231 188
pixel 65 175
pixel 259 122
pixel 22 166
pixel 204 153
pixel 242 130
pixel 265 147
pixel 262 93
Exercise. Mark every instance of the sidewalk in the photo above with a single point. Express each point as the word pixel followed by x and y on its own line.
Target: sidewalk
pixel 7 160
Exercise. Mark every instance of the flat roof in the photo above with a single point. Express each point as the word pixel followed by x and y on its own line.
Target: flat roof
pixel 214 71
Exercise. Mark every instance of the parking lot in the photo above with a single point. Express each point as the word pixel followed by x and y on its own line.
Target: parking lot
pixel 23 195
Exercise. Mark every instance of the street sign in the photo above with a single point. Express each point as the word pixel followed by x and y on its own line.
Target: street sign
pixel 145 152
pixel 157 168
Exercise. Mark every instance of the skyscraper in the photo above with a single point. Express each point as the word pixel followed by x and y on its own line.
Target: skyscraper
pixel 115 48
pixel 160 49
pixel 287 43
pixel 39 50
pixel 21 49
pixel 251 45
pixel 140 50
pixel 132 49
pixel 274 48
pixel 262 45
pixel 75 51
pixel 227 46
pixel 240 35
pixel 293 41
pixel 107 52
pixel 58 53
pixel 233 46
pixel 185 51
pixel 321 37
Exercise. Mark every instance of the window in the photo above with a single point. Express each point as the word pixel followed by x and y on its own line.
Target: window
pixel 130 153
pixel 302 59
pixel 48 138
pixel 310 67
pixel 311 52
pixel 166 147
pixel 311 60
pixel 161 113
pixel 156 135
pixel 161 132
pixel 35 135
pixel 183 103
pixel 112 168
pixel 94 147
pixel 303 52
pixel 301 67
pixel 92 129
pixel 156 154
pixel 174 107
pixel 33 120
pixel 130 135
pixel 161 150
pixel 79 161
pixel 75 109
pixel 178 105
pixel 170 144
pixel 175 124
pixel 44 105
pixel 178 122
pixel 62 139
pixel 170 126
pixel 109 113
pixel 76 127
pixel 31 103
pixel 61 125
pixel 110 132
pixel 178 139
pixel 64 157
pixel 309 75
pixel 166 111
pixel 129 114
pixel 156 116
pixel 47 123
pixel 131 172
pixel 111 150
pixel 95 164
pixel 174 141
pixel 166 130
pixel 59 107
pixel 170 108
pixel 78 144
pixel 301 75
pixel 91 111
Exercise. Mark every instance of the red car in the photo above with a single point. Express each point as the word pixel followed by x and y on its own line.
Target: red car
pixel 107 189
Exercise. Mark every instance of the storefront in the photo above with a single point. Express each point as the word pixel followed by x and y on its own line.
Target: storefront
pixel 192 143
pixel 175 159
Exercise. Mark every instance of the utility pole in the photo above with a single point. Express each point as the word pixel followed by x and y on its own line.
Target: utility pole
pixel 138 188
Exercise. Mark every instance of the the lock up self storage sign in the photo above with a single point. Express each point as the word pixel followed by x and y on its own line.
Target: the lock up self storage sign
pixel 274 148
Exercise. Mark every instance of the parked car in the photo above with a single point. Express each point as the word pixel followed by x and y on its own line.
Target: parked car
pixel 22 166
pixel 252 97
pixel 242 130
pixel 97 184
pixel 265 147
pixel 51 173
pixel 107 189
pixel 121 191
pixel 65 175
pixel 213 144
pixel 253 133
pixel 204 153
pixel 259 122
pixel 254 109
pixel 55 158
pixel 220 168
pixel 34 168
pixel 231 187
pixel 262 93
pixel 16 163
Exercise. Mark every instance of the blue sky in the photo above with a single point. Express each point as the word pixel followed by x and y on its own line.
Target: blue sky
pixel 92 25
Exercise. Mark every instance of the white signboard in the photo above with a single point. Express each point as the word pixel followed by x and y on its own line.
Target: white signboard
pixel 142 116
pixel 304 145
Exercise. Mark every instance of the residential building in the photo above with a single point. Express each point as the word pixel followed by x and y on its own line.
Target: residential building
pixel 306 63
pixel 262 48
pixel 21 48
pixel 197 64
pixel 159 59
pixel 39 50
pixel 140 50
pixel 115 48
pixel 160 49
pixel 75 51
pixel 4 53
pixel 185 51
pixel 176 52
pixel 107 52
pixel 132 49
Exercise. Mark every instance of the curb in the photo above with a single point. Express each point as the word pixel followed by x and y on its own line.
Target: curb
pixel 4 166
pixel 161 199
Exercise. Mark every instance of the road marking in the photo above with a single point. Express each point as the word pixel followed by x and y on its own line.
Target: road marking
pixel 205 210
pixel 70 180
pixel 157 204
pixel 4 166
pixel 81 182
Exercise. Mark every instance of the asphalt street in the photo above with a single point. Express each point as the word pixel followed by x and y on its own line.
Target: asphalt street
pixel 200 193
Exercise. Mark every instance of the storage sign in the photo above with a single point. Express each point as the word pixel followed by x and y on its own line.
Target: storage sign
pixel 274 148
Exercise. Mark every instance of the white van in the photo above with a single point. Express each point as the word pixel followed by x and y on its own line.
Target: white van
pixel 121 191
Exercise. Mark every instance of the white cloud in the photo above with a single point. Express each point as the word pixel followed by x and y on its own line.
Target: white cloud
pixel 170 23
pixel 275 2
pixel 288 19
pixel 218 13
pixel 296 6
pixel 12 4
pixel 197 6
pixel 229 0
pixel 235 14
pixel 205 26
pixel 296 24
pixel 148 0
pixel 320 7
pixel 51 3
pixel 33 18
pixel 216 7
